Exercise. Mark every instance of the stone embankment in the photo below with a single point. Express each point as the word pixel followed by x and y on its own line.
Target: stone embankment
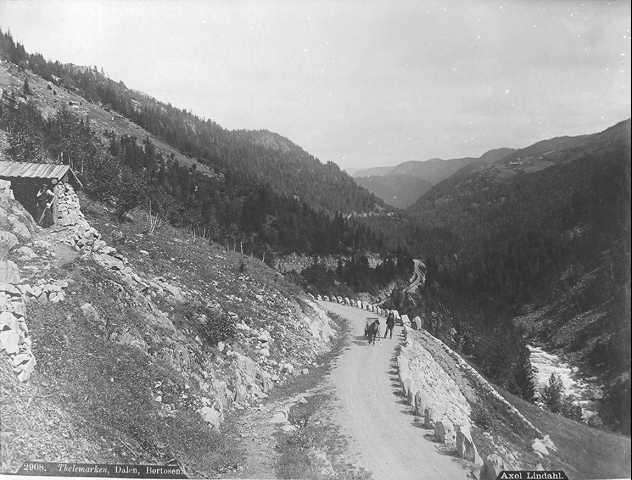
pixel 15 226
pixel 434 394
pixel 353 302
pixel 295 262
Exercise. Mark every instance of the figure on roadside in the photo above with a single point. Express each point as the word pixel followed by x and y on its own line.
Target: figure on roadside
pixel 373 331
pixel 390 323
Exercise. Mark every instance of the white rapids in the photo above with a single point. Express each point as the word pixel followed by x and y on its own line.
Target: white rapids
pixel 586 391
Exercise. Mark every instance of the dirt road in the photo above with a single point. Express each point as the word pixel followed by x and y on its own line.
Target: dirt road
pixel 384 437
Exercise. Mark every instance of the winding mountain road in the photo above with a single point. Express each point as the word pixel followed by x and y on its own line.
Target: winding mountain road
pixel 419 276
pixel 384 437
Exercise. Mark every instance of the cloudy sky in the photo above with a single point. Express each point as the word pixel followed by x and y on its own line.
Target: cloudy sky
pixel 362 83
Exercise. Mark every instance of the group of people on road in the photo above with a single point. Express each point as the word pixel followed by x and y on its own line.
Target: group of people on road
pixel 372 328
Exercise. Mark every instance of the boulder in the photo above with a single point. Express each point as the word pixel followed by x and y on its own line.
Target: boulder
pixel 265 381
pixel 9 272
pixel 406 384
pixel 19 228
pixel 5 189
pixel 26 253
pixel 245 367
pixel 444 431
pixel 428 417
pixel 465 445
pixel 26 369
pixel 8 322
pixel 10 289
pixel 9 341
pixel 127 339
pixel 279 416
pixel 418 404
pixel 7 242
pixel 211 416
pixel 410 396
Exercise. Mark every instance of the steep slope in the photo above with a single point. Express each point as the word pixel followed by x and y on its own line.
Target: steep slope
pixel 143 348
pixel 54 124
pixel 256 156
pixel 404 184
pixel 543 235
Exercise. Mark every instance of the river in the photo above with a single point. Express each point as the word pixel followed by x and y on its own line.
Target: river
pixel 587 391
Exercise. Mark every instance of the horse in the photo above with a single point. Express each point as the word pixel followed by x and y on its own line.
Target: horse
pixel 372 331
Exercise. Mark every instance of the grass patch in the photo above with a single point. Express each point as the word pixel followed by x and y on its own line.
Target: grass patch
pixel 583 451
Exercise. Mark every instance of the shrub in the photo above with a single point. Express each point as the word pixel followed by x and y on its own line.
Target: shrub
pixel 481 417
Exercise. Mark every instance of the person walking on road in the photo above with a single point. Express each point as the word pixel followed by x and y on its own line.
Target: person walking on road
pixel 390 323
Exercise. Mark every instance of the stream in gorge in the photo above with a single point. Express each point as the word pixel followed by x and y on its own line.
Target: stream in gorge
pixel 586 390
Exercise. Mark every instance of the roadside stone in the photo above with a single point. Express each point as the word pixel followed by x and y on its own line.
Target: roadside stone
pixel 465 446
pixel 9 272
pixel 7 241
pixel 211 416
pixel 9 341
pixel 8 321
pixel 25 253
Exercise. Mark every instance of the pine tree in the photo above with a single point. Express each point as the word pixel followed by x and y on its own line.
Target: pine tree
pixel 26 88
pixel 553 393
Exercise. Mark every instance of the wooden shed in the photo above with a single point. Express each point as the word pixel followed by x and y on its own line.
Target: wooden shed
pixel 34 186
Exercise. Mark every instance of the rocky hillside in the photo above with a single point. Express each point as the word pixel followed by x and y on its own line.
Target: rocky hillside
pixel 135 340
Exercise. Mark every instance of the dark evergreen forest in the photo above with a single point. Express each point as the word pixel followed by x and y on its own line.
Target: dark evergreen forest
pixel 254 157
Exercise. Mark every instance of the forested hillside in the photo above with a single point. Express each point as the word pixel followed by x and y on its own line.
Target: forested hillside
pixel 543 235
pixel 254 156
pixel 229 187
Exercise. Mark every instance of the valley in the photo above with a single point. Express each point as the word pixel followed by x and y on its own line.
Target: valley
pixel 176 292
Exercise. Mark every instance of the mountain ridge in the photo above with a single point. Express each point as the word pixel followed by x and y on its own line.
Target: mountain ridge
pixel 395 185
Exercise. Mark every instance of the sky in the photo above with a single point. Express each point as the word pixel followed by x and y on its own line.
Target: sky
pixel 361 83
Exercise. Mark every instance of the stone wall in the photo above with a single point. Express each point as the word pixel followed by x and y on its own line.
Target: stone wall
pixel 297 262
pixel 16 225
pixel 435 396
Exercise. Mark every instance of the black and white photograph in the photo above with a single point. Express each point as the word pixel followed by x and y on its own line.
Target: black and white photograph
pixel 315 239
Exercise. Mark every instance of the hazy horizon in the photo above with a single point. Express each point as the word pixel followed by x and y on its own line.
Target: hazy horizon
pixel 361 84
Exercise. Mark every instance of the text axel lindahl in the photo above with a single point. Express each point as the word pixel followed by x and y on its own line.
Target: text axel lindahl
pixel 532 475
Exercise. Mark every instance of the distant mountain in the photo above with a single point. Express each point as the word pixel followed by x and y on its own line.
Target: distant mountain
pixel 371 172
pixel 401 185
pixel 543 235
pixel 400 191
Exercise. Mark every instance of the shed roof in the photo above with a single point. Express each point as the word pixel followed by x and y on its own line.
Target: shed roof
pixel 32 170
